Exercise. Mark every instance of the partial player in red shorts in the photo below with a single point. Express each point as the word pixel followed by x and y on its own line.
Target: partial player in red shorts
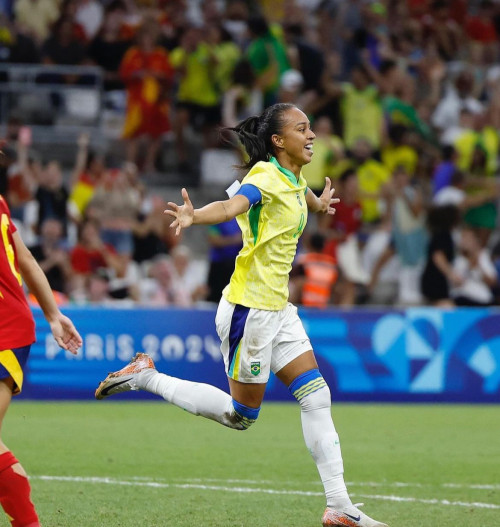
pixel 17 334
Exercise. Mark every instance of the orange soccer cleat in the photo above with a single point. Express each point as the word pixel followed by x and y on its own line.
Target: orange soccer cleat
pixel 124 380
pixel 350 517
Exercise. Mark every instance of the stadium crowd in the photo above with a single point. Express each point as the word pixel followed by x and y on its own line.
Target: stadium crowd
pixel 403 97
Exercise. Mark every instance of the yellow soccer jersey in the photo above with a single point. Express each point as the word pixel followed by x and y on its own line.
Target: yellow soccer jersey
pixel 271 230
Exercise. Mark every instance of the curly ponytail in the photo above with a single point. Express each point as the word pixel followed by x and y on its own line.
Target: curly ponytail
pixel 255 133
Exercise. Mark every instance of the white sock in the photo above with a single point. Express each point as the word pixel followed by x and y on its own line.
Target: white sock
pixel 323 443
pixel 196 398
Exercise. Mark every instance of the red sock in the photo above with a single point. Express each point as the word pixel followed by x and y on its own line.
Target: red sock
pixel 15 494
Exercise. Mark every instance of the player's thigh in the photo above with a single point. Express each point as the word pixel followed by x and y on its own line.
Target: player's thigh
pixel 292 350
pixel 248 394
pixel 304 362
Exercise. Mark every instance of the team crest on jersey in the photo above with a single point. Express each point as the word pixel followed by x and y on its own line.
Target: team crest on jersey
pixel 297 195
pixel 255 368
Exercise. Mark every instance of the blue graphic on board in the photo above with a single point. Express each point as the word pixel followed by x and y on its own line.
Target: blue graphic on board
pixel 418 354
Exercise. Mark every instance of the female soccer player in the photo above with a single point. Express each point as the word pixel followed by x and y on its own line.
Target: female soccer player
pixel 17 334
pixel 259 329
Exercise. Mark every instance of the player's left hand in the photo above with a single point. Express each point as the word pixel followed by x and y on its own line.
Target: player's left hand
pixel 326 199
pixel 66 334
pixel 183 214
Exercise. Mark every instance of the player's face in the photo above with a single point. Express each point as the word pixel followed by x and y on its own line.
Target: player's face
pixel 296 139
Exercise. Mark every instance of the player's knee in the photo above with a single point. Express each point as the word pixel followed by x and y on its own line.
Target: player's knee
pixel 311 391
pixel 244 416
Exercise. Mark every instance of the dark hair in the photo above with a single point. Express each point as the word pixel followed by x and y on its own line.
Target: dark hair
pixel 317 241
pixel 443 218
pixel 346 174
pixel 457 178
pixel 255 132
pixel 258 26
pixel 447 152
pixel 397 133
pixel 386 65
pixel 243 73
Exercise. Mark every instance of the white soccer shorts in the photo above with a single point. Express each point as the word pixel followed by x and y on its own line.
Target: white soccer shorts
pixel 256 342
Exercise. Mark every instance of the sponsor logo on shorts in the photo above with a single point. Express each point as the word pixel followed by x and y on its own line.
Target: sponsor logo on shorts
pixel 255 368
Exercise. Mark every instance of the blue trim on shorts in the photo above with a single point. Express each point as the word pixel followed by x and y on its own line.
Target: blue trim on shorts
pixel 303 379
pixel 21 356
pixel 238 321
pixel 251 192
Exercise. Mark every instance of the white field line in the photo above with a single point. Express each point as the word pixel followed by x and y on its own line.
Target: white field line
pixel 156 484
pixel 397 484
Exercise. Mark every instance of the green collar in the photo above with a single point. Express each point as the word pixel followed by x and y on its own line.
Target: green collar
pixel 288 173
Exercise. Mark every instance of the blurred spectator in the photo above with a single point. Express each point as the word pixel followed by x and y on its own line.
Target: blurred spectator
pixel 68 10
pixel 117 203
pixel 147 74
pixel 152 233
pixel 16 47
pixel 243 98
pixel 109 46
pixel 361 110
pixel 198 97
pixel 304 57
pixel 159 288
pixel 442 29
pixel 226 54
pixel 87 174
pixel 22 174
pixel 96 290
pixel 235 19
pixel 444 170
pixel 409 239
pixel 392 81
pixel 458 95
pixel 89 14
pixel 225 244
pixel 438 273
pixel 326 101
pixel 342 232
pixel 483 38
pixel 475 270
pixel 190 281
pixel 373 179
pixel 35 17
pixel 62 47
pixel 397 153
pixel 51 197
pixel 476 144
pixel 314 274
pixel 267 55
pixel 476 200
pixel 51 253
pixel 91 254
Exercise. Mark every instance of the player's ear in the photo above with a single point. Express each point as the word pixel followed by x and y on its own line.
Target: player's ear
pixel 277 141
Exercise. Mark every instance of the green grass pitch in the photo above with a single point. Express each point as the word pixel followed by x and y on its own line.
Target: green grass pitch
pixel 148 464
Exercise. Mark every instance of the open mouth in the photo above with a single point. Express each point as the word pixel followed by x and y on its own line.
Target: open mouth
pixel 309 148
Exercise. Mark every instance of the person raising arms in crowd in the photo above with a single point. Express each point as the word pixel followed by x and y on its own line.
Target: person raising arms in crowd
pixel 259 329
pixel 17 334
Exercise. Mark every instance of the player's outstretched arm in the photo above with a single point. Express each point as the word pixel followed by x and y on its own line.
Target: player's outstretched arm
pixel 324 203
pixel 215 212
pixel 61 326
